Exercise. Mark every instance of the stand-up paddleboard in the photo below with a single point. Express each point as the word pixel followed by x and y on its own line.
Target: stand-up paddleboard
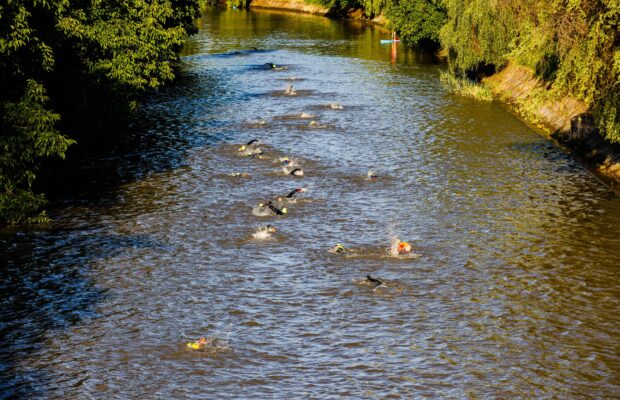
pixel 385 41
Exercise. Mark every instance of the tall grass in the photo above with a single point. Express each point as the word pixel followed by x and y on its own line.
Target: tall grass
pixel 465 87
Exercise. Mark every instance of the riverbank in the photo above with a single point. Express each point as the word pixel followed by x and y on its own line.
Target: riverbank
pixel 290 5
pixel 315 9
pixel 563 119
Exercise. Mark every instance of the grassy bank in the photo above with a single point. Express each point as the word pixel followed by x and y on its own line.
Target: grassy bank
pixel 556 63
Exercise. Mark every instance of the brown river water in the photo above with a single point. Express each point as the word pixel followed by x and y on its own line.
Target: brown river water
pixel 515 291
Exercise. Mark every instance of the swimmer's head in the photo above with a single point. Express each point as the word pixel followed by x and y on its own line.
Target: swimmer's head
pixel 301 189
pixel 271 229
pixel 242 148
pixel 339 248
pixel 404 247
pixel 284 211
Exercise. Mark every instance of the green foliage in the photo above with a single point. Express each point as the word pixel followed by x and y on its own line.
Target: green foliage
pixel 93 58
pixel 29 134
pixel 571 44
pixel 240 4
pixel 477 32
pixel 373 8
pixel 465 87
pixel 417 21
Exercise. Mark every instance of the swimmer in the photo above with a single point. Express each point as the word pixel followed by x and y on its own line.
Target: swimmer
pixel 335 106
pixel 289 196
pixel 290 91
pixel 297 172
pixel 275 67
pixel 337 249
pixel 198 344
pixel 250 152
pixel 211 343
pixel 294 192
pixel 264 232
pixel 400 248
pixel 251 144
pixel 285 160
pixel 274 210
pixel 376 281
pixel 372 175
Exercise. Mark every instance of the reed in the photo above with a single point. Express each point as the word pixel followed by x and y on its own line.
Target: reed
pixel 465 87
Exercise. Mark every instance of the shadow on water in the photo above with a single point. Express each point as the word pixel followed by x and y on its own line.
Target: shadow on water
pixel 164 128
pixel 47 286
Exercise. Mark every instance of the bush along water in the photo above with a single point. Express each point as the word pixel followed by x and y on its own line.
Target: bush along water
pixel 70 69
pixel 572 46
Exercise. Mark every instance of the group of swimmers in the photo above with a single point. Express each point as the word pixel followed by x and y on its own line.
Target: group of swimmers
pixel 275 206
pixel 251 149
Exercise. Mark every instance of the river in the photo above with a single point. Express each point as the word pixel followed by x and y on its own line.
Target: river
pixel 514 293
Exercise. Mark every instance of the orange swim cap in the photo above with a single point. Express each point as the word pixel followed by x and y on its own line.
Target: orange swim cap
pixel 404 247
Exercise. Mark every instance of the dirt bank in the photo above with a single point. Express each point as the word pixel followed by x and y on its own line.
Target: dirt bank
pixel 565 118
pixel 290 5
pixel 301 6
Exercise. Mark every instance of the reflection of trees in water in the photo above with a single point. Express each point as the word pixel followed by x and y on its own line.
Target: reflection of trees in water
pixel 341 38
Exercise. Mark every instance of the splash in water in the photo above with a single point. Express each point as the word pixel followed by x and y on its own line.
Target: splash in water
pixel 208 344
pixel 239 175
pixel 268 210
pixel 291 170
pixel 265 232
pixel 399 248
pixel 290 91
pixel 314 124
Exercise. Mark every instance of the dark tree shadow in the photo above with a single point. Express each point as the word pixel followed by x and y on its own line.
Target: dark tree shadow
pixel 46 286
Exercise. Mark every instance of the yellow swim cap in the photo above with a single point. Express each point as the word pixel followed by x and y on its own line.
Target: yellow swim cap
pixel 284 211
pixel 241 148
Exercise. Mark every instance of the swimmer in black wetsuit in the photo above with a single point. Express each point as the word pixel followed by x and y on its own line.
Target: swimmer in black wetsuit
pixel 251 143
pixel 290 195
pixel 274 209
pixel 376 281
pixel 275 67
pixel 294 192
